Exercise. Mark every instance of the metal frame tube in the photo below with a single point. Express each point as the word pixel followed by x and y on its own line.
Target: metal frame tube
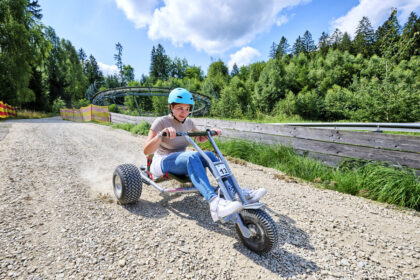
pixel 231 176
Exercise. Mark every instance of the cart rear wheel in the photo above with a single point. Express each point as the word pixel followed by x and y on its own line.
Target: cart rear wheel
pixel 265 235
pixel 127 183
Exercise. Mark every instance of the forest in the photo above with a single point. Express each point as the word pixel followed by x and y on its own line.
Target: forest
pixel 374 76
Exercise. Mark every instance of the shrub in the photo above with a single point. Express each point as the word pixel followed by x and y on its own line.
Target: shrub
pixel 80 103
pixel 141 128
pixel 113 108
pixel 58 104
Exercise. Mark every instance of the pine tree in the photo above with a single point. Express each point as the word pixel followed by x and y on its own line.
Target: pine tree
pixel 34 8
pixel 365 38
pixel 410 38
pixel 118 61
pixel 160 64
pixel 282 47
pixel 387 35
pixel 152 70
pixel 94 74
pixel 235 70
pixel 346 44
pixel 298 46
pixel 324 43
pixel 336 38
pixel 82 56
pixel 307 43
pixel 273 50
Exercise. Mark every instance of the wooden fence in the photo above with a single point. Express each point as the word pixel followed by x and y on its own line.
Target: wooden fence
pixel 327 145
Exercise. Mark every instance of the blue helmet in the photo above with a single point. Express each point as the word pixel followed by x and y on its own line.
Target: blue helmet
pixel 180 95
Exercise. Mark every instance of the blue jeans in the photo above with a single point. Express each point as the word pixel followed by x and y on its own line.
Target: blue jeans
pixel 192 164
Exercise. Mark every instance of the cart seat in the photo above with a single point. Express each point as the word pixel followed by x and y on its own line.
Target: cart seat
pixel 165 177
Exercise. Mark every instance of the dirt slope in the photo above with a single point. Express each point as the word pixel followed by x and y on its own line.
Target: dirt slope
pixel 58 219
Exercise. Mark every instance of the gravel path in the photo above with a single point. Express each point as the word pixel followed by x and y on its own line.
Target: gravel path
pixel 59 220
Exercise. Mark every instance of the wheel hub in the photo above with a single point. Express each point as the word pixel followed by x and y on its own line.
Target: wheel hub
pixel 252 230
pixel 117 186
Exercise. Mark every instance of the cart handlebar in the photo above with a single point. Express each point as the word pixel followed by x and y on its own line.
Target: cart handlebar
pixel 193 133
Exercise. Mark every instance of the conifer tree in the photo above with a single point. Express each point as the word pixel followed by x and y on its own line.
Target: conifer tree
pixel 235 70
pixel 160 64
pixel 118 61
pixel 346 43
pixel 410 38
pixel 307 43
pixel 387 36
pixel 324 43
pixel 298 46
pixel 282 47
pixel 273 50
pixel 336 38
pixel 365 38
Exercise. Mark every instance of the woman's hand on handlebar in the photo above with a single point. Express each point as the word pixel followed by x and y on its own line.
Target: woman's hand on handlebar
pixel 218 131
pixel 170 131
pixel 202 139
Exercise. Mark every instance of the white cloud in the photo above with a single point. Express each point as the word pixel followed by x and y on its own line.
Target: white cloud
pixel 213 26
pixel 139 12
pixel 376 10
pixel 283 19
pixel 108 70
pixel 243 57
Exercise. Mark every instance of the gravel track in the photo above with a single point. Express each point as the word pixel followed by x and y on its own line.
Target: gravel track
pixel 59 219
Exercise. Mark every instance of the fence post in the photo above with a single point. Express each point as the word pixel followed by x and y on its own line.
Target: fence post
pixel 2 116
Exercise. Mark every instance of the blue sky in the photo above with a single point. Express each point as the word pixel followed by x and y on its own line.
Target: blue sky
pixel 239 31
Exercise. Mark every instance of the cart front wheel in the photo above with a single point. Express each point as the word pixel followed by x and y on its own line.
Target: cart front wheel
pixel 127 183
pixel 263 228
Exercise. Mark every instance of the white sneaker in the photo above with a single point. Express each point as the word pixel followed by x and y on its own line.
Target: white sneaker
pixel 253 195
pixel 220 208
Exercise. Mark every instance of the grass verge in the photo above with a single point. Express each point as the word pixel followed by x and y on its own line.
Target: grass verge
pixel 402 133
pixel 28 114
pixel 140 128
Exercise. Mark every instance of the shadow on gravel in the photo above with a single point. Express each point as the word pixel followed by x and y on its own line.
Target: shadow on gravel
pixel 279 261
pixel 193 207
pixel 147 209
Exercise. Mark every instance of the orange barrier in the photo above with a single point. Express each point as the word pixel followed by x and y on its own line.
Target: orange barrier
pixel 88 113
pixel 6 110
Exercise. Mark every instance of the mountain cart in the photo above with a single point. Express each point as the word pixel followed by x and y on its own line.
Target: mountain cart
pixel 256 229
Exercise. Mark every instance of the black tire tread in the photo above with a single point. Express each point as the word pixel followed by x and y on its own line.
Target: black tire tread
pixel 267 223
pixel 131 183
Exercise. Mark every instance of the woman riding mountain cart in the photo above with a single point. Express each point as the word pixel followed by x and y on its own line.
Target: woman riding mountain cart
pixel 170 155
pixel 167 141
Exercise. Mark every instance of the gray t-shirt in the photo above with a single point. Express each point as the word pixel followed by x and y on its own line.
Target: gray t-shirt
pixel 168 146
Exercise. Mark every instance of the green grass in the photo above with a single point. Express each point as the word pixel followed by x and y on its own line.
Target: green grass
pixel 394 132
pixel 373 180
pixel 402 133
pixel 140 128
pixel 28 114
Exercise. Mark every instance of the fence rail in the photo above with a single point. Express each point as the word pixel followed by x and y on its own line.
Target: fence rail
pixel 379 127
pixel 328 145
pixel 88 113
pixel 6 110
